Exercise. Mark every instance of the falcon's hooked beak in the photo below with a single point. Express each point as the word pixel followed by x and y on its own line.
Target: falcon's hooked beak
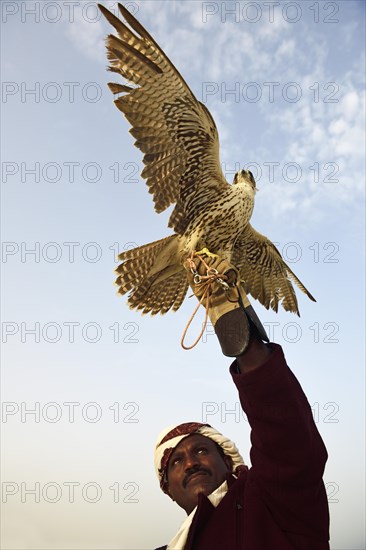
pixel 245 176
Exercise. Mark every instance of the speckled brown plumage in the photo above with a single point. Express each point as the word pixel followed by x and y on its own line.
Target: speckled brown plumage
pixel 179 140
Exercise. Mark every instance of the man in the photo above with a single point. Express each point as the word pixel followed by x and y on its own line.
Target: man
pixel 280 503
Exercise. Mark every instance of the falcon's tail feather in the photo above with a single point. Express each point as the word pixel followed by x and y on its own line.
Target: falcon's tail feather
pixel 152 273
pixel 160 296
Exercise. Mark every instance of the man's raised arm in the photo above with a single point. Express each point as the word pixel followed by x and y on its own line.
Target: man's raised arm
pixel 288 455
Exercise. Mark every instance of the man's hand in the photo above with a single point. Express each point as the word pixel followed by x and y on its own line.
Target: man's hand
pixel 255 355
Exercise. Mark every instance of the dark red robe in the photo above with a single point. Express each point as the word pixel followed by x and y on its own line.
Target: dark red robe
pixel 280 503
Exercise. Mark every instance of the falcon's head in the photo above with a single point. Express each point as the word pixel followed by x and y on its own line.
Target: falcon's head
pixel 245 176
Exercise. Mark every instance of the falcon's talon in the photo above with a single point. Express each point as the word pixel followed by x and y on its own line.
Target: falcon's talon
pixel 207 252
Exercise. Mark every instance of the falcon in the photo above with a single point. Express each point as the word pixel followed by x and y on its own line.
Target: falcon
pixel 179 140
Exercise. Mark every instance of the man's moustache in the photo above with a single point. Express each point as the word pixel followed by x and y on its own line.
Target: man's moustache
pixel 199 471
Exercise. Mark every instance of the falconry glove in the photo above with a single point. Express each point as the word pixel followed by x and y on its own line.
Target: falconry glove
pixel 215 282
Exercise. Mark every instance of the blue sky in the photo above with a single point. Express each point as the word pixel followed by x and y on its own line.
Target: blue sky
pixel 285 84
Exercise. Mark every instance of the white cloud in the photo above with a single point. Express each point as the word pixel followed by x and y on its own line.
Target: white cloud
pixel 337 127
pixel 350 104
pixel 285 49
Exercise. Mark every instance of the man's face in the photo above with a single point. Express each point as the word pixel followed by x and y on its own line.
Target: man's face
pixel 196 466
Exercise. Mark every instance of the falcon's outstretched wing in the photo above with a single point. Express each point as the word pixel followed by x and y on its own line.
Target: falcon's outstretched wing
pixel 176 132
pixel 264 273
